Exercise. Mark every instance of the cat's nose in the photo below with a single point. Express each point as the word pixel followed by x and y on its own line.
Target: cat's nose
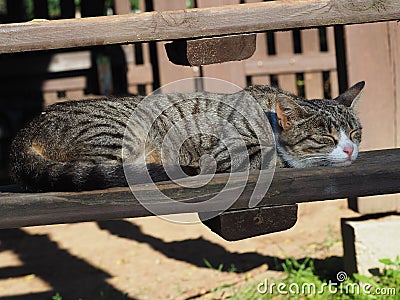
pixel 348 150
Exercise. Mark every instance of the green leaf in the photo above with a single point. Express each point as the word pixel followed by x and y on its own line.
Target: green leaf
pixel 387 261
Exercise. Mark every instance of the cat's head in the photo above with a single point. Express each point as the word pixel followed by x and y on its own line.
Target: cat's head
pixel 318 132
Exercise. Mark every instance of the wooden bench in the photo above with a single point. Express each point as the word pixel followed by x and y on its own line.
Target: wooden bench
pixel 374 173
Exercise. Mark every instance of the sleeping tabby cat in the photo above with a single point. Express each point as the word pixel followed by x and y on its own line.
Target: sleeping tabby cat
pixel 77 145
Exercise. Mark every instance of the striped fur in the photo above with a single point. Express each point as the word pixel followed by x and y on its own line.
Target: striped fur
pixel 77 145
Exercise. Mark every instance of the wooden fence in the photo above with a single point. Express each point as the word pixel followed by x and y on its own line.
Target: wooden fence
pixel 302 61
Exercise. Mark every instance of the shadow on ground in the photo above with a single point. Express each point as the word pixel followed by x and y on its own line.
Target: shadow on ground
pixel 68 275
pixel 203 253
pixel 74 278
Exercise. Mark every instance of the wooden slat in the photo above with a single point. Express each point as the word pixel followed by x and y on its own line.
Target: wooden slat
pixel 140 74
pixel 313 82
pixel 375 172
pixel 394 33
pixel 284 47
pixel 64 84
pixel 333 76
pixel 122 7
pixel 259 54
pixel 377 108
pixel 192 23
pixel 291 64
pixel 364 65
pixel 258 57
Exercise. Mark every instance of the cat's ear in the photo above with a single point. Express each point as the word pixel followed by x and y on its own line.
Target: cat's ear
pixel 288 111
pixel 350 97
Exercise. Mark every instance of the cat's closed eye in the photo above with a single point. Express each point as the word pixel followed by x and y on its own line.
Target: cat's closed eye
pixel 355 135
pixel 323 140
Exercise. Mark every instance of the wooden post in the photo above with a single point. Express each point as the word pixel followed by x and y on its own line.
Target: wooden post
pixel 373 56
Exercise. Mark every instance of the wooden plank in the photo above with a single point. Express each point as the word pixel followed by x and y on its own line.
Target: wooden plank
pixel 140 74
pixel 295 63
pixel 284 47
pixel 122 7
pixel 242 224
pixel 333 75
pixel 191 23
pixel 313 82
pixel 50 98
pixel 69 61
pixel 379 99
pixel 258 57
pixel 375 172
pixel 64 84
pixel 394 33
pixel 376 68
pixel 206 51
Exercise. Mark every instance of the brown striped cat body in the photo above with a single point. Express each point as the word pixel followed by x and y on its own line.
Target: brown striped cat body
pixel 77 145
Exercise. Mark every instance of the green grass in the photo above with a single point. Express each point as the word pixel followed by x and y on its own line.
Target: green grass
pixel 301 282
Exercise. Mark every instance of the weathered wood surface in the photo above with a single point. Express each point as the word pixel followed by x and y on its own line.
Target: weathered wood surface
pixel 246 223
pixel 207 51
pixel 374 173
pixel 191 23
pixel 294 63
pixel 384 55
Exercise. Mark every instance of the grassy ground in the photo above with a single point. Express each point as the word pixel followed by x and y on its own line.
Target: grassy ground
pixel 302 280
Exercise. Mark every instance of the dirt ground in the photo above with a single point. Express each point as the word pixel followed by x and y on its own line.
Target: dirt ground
pixel 150 258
